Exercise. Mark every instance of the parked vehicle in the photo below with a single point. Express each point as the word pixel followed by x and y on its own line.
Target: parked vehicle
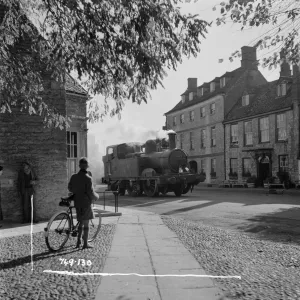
pixel 140 168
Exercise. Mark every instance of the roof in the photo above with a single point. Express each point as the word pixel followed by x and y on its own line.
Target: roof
pixel 233 77
pixel 74 87
pixel 263 100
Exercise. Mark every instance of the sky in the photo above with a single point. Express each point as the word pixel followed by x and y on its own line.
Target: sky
pixel 141 122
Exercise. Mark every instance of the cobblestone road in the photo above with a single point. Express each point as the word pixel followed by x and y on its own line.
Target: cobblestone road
pixel 18 282
pixel 269 270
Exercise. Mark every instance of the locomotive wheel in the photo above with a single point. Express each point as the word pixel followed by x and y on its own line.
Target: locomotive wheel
pixel 121 191
pixel 178 190
pixel 133 190
pixel 164 190
pixel 186 187
pixel 150 188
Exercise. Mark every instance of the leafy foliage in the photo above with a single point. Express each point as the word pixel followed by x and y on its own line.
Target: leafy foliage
pixel 281 16
pixel 120 49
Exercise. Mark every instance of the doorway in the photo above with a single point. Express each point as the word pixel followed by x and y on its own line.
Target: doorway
pixel 263 169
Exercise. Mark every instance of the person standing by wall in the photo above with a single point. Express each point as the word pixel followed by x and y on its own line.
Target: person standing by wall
pixel 1 214
pixel 81 185
pixel 26 181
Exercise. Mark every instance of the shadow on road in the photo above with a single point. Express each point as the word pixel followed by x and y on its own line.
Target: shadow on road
pixel 282 226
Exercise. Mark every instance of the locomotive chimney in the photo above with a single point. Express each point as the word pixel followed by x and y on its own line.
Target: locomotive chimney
pixel 172 141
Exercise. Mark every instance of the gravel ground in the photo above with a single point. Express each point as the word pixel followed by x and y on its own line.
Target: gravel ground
pixel 269 270
pixel 17 281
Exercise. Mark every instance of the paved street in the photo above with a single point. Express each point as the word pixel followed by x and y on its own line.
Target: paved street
pixel 244 210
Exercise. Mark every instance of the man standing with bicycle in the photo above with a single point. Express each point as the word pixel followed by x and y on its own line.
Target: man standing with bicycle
pixel 81 185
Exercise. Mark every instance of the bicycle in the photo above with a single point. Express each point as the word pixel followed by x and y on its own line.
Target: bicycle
pixel 61 225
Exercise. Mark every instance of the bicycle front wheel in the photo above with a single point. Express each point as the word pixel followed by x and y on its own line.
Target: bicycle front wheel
pixel 58 231
pixel 94 225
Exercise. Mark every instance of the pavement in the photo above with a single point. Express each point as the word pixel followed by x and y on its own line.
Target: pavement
pixel 142 244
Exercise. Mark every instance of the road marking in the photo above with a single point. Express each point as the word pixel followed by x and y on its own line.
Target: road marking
pixel 136 274
pixel 157 202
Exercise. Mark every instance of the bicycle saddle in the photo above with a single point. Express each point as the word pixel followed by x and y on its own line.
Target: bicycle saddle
pixel 67 198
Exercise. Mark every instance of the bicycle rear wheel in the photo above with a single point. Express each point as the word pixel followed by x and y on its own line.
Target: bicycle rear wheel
pixel 94 225
pixel 58 231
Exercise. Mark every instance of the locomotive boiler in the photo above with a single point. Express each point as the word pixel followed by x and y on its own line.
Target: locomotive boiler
pixel 141 168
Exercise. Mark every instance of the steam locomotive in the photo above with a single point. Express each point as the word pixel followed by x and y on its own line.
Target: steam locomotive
pixel 140 168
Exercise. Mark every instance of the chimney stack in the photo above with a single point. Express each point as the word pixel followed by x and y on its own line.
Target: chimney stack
pixel 285 69
pixel 192 83
pixel 249 58
pixel 172 141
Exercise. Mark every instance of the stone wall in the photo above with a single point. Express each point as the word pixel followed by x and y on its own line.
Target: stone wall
pixel 24 138
pixel 279 148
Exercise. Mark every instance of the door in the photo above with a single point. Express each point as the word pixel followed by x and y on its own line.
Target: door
pixel 264 170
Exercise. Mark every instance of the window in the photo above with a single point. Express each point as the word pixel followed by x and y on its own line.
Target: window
pixel 174 121
pixel 281 89
pixel 200 92
pixel 202 112
pixel 202 138
pixel 72 144
pixel 283 163
pixel 222 82
pixel 248 133
pixel 245 100
pixel 202 166
pixel 181 141
pixel 234 138
pixel 213 167
pixel 233 166
pixel 192 141
pixel 182 98
pixel 72 147
pixel 213 136
pixel 247 167
pixel 212 86
pixel 191 94
pixel 192 115
pixel 182 119
pixel 281 127
pixel 212 108
pixel 264 130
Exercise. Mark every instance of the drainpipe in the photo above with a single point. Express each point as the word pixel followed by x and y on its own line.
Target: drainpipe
pixel 224 152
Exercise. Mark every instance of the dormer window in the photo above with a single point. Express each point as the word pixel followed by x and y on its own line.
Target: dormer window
pixel 200 92
pixel 212 86
pixel 281 89
pixel 222 82
pixel 191 94
pixel 245 100
pixel 183 98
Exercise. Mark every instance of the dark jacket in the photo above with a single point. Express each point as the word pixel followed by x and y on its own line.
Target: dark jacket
pixel 21 180
pixel 81 185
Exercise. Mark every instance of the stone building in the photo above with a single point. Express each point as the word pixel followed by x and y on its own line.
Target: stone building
pixel 198 117
pixel 53 153
pixel 262 130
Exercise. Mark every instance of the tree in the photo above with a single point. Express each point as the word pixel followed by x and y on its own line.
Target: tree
pixel 281 16
pixel 120 49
